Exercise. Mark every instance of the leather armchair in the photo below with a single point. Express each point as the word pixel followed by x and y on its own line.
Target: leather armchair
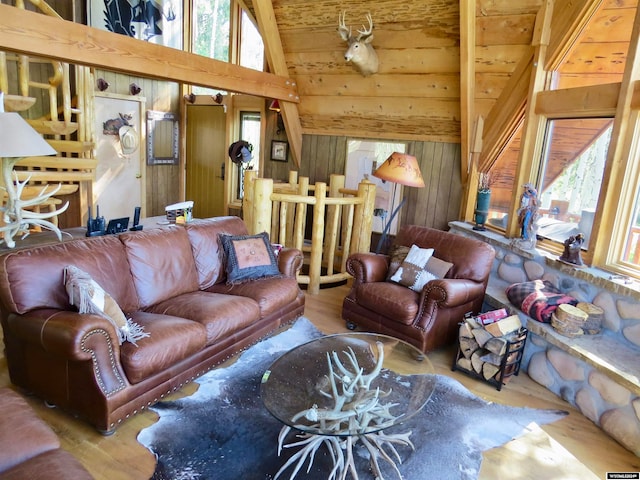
pixel 427 319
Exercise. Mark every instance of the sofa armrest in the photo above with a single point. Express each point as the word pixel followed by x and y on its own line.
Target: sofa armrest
pixel 367 267
pixel 60 332
pixel 290 261
pixel 74 337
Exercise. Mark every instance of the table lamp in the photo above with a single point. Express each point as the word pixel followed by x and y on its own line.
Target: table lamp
pixel 403 169
pixel 17 140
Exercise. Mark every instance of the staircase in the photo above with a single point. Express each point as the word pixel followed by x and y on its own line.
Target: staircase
pixel 65 123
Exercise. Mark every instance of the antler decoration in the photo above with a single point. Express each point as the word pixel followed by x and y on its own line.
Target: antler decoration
pixel 356 410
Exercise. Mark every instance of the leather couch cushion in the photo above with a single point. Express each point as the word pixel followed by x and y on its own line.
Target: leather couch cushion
pixel 33 278
pixel 23 435
pixel 391 300
pixel 161 263
pixel 206 247
pixel 171 339
pixel 271 294
pixel 221 315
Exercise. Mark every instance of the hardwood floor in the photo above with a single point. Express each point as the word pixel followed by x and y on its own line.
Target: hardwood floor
pixel 572 448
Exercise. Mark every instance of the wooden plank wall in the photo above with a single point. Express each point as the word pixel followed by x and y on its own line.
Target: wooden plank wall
pixel 433 206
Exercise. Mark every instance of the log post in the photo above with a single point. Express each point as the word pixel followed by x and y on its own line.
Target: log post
pixel 248 199
pixel 363 218
pixel 301 214
pixel 261 217
pixel 336 182
pixel 317 239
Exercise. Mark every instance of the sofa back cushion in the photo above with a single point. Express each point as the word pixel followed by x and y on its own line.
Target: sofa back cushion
pixel 207 248
pixel 33 278
pixel 161 263
pixel 472 259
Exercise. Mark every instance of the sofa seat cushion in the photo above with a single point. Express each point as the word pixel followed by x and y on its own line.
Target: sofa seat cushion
pixel 171 339
pixel 390 300
pixel 221 315
pixel 271 294
pixel 23 435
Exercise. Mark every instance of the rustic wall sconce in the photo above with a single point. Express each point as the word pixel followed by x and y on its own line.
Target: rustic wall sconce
pixel 275 107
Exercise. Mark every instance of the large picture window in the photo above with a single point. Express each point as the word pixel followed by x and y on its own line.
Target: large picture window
pixel 570 178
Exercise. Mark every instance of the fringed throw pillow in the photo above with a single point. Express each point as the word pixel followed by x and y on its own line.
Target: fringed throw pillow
pixel 412 272
pixel 89 297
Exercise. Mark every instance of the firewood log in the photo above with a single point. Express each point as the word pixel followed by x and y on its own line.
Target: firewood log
pixel 489 371
pixel 464 363
pixel 468 346
pixel 465 331
pixel 476 360
pixel 481 336
pixel 497 345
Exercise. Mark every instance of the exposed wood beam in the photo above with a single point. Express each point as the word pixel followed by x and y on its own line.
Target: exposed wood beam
pixel 591 101
pixel 468 168
pixel 48 37
pixel 275 57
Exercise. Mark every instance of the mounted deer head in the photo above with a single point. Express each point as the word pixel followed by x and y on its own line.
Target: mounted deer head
pixel 360 50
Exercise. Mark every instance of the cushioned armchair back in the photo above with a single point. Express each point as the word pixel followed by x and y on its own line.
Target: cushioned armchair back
pixel 472 259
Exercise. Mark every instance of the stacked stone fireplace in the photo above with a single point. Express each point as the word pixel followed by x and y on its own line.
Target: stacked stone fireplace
pixel 598 374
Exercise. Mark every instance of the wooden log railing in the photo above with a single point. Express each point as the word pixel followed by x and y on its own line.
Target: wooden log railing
pixel 341 221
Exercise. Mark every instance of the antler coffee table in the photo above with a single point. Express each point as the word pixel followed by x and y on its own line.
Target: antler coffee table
pixel 342 389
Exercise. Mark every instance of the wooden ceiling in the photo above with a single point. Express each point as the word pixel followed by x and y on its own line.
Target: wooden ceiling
pixel 416 95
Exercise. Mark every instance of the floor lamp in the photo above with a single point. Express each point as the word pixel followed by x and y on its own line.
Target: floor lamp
pixel 403 169
pixel 17 140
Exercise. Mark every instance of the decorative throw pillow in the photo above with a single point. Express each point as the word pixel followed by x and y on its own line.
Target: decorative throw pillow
pixel 248 257
pixel 439 268
pixel 538 299
pixel 397 253
pixel 89 297
pixel 412 272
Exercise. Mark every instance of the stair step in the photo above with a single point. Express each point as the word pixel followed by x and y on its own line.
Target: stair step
pixel 70 146
pixel 49 127
pixel 17 103
pixel 59 162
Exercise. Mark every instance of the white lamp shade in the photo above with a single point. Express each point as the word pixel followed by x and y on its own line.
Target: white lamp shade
pixel 19 139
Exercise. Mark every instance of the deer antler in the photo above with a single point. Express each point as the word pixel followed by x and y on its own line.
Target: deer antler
pixel 345 32
pixel 364 32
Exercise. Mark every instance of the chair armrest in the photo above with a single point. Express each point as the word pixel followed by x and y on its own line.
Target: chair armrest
pixel 451 292
pixel 368 267
pixel 445 293
pixel 290 261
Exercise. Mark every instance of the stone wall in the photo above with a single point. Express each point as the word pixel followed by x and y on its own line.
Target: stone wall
pixel 598 374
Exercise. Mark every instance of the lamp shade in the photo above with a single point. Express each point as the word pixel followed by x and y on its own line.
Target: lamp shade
pixel 400 168
pixel 18 138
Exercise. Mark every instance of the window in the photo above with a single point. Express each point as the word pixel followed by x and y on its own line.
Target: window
pixel 210 33
pixel 251 46
pixel 250 132
pixel 575 154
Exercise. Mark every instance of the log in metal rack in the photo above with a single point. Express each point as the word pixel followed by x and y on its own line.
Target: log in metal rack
pixel 510 364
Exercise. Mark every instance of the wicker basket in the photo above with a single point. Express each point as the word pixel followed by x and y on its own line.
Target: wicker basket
pixel 568 320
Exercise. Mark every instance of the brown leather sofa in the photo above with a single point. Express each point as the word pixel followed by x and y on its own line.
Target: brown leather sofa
pixel 171 281
pixel 427 319
pixel 29 448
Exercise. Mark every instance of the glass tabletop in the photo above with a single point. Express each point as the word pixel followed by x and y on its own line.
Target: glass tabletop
pixel 348 384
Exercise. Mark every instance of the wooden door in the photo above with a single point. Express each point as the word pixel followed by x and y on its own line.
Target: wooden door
pixel 120 150
pixel 206 156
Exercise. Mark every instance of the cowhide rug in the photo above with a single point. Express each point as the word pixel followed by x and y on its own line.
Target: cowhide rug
pixel 223 431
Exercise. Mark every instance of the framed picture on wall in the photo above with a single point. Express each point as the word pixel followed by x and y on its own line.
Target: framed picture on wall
pixel 279 150
pixel 155 21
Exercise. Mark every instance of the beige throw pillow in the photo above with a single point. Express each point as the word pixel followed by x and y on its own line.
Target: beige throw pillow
pixel 412 272
pixel 89 297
